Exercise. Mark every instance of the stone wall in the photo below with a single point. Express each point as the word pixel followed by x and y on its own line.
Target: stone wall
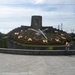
pixel 35 52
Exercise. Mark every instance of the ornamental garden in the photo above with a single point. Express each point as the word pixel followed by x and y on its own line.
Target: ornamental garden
pixel 37 35
pixel 29 36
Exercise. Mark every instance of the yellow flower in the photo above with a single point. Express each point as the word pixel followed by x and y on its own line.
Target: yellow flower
pixel 20 37
pixel 16 33
pixel 57 40
pixel 45 41
pixel 62 34
pixel 29 39
pixel 63 37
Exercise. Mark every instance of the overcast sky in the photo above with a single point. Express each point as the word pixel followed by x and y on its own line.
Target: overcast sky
pixel 14 13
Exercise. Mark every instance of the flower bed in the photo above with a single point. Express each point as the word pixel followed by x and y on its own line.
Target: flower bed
pixel 30 36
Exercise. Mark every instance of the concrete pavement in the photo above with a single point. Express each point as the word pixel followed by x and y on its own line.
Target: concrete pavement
pixel 11 64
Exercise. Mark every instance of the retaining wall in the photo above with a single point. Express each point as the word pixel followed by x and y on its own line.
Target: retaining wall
pixel 35 52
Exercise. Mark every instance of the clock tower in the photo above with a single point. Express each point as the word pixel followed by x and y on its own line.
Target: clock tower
pixel 36 22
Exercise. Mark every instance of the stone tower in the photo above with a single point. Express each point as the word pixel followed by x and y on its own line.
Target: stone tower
pixel 36 22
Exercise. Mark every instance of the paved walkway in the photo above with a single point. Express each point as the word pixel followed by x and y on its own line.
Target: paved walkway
pixel 36 65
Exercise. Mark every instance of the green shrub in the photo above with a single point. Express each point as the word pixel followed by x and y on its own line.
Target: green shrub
pixel 2 40
pixel 50 48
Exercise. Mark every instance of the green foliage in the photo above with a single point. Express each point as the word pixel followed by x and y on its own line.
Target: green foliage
pixel 2 35
pixel 72 42
pixel 2 40
pixel 50 48
pixel 2 43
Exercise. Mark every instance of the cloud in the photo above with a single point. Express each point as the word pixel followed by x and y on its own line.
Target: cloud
pixel 37 1
pixel 59 1
pixel 6 11
pixel 5 30
pixel 6 27
pixel 20 1
pixel 14 13
pixel 22 12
